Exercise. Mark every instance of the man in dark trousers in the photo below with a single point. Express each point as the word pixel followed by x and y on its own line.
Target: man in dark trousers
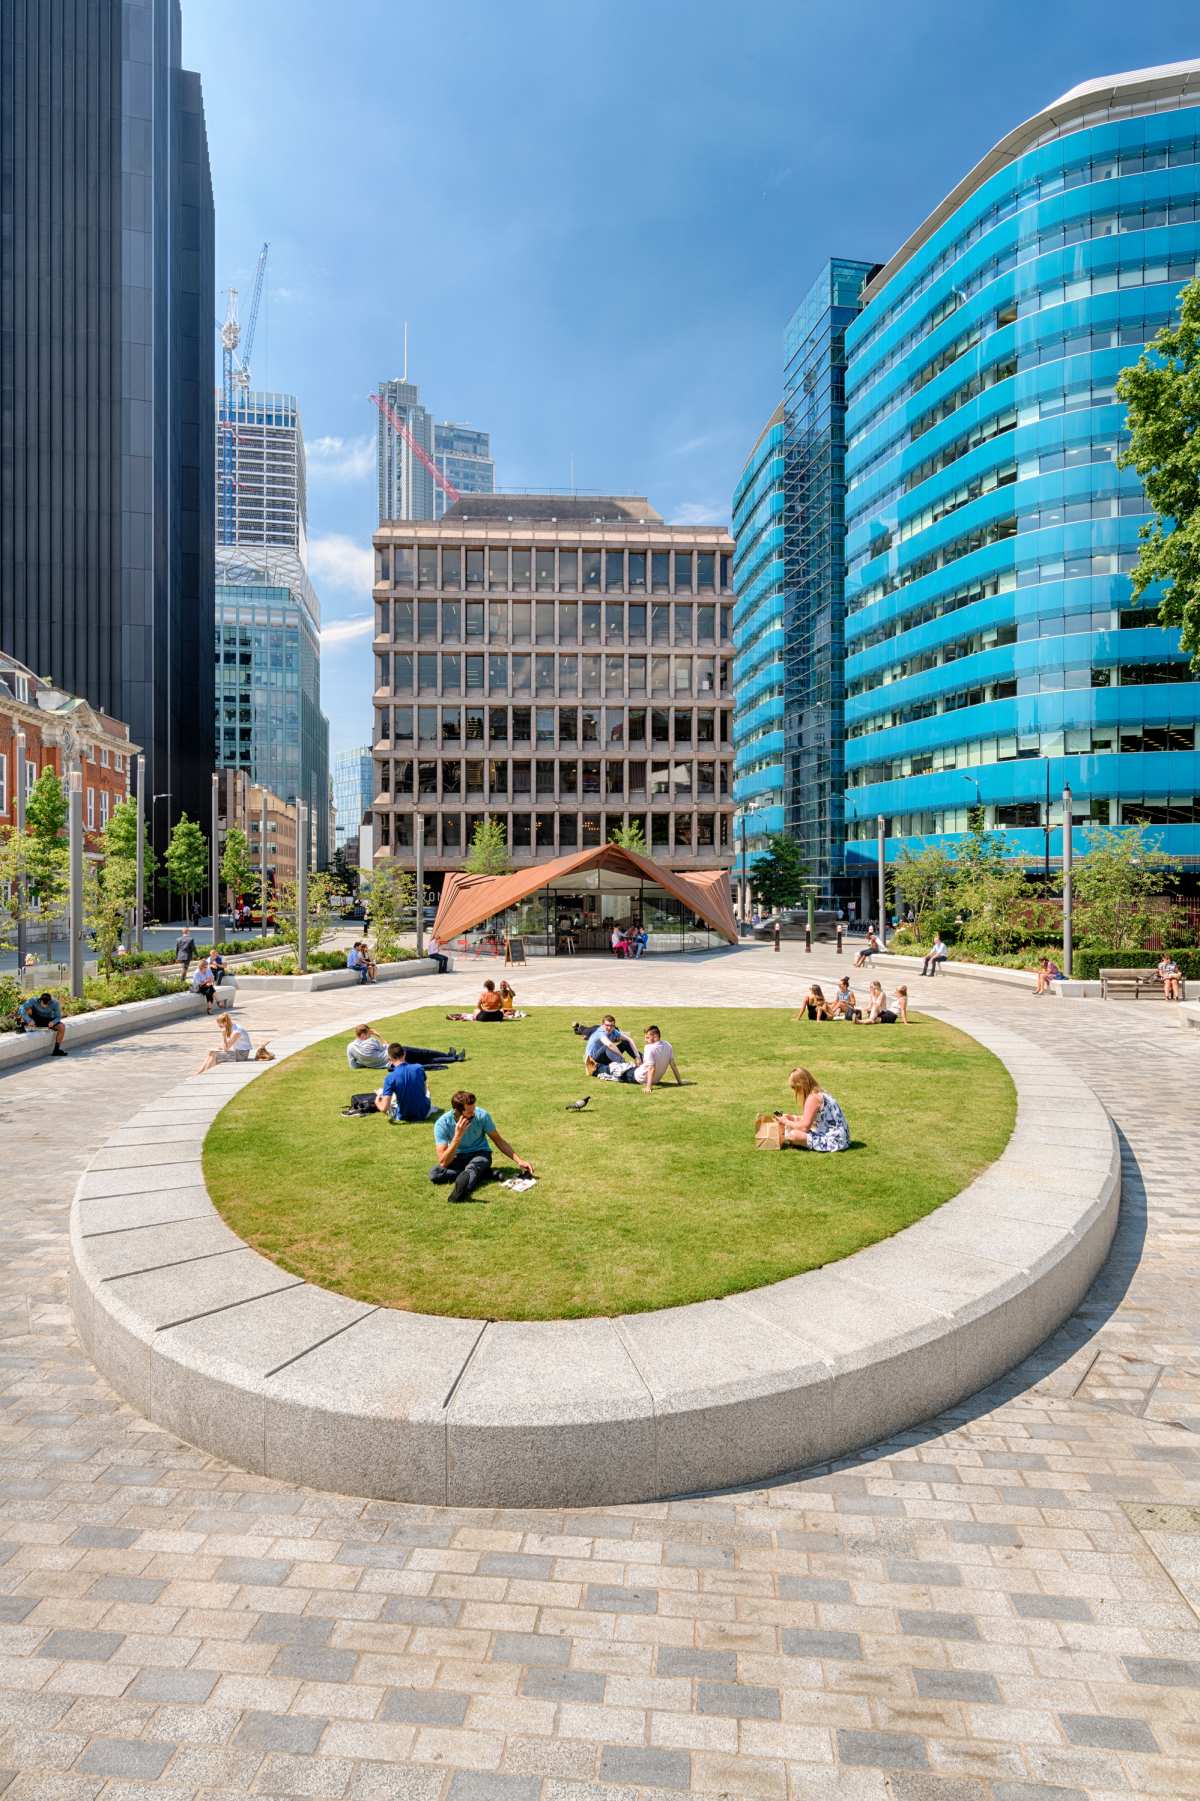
pixel 460 1138
pixel 185 949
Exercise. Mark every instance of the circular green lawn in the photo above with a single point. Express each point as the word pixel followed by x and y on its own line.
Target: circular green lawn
pixel 642 1201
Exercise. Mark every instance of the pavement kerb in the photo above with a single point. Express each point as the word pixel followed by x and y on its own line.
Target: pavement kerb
pixel 231 1353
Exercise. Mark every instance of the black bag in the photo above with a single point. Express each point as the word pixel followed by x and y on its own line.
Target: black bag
pixel 362 1103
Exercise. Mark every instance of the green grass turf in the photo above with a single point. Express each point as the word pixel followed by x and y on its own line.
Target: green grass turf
pixel 642 1201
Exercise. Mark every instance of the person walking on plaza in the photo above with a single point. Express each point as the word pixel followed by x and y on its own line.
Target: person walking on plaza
pixel 41 1012
pixel 937 954
pixel 461 1137
pixel 185 950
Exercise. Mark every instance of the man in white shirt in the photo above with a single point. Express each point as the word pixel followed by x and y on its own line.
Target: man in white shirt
pixel 657 1058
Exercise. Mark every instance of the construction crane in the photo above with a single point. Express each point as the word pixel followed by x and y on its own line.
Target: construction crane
pixel 397 424
pixel 235 379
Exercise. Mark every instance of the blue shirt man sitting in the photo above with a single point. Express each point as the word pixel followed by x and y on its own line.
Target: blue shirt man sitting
pixel 405 1092
pixel 607 1044
pixel 42 1010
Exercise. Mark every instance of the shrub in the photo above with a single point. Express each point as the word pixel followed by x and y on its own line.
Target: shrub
pixel 1087 964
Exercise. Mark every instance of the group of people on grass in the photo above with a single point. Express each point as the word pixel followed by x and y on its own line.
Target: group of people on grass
pixel 843 1004
pixel 494 1003
pixel 610 1055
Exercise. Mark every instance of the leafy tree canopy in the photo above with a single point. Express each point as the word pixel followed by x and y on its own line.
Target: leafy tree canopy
pixel 1115 883
pixel 630 837
pixel 1161 392
pixel 186 859
pixel 780 875
pixel 488 852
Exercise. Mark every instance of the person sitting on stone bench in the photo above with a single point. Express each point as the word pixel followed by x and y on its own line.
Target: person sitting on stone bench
pixel 463 1155
pixel 1171 977
pixel 41 1012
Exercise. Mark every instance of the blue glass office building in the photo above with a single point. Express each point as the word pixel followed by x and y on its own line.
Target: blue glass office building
pixel 758 572
pixel 992 653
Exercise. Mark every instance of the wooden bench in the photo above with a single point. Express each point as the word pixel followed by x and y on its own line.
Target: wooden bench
pixel 1136 982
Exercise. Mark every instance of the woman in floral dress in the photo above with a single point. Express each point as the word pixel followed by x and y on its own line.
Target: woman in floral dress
pixel 820 1124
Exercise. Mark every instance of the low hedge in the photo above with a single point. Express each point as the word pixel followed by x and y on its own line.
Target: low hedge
pixel 1087 964
pixel 98 993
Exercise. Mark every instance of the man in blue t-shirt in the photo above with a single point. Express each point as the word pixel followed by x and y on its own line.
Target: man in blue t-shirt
pixel 42 1010
pixel 607 1045
pixel 460 1138
pixel 405 1092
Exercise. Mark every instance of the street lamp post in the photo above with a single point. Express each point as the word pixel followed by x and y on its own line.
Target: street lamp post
pixel 22 887
pixel 881 859
pixel 154 800
pixel 745 906
pixel 75 906
pixel 214 871
pixel 262 865
pixel 419 857
pixel 140 880
pixel 1068 853
pixel 302 886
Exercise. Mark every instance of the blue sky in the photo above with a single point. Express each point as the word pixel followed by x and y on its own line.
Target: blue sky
pixel 595 215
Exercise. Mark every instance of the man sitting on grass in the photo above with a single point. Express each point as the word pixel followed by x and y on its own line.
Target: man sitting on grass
pixel 42 1010
pixel 607 1045
pixel 405 1092
pixel 657 1058
pixel 461 1140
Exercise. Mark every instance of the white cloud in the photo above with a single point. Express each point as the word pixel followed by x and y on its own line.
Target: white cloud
pixel 333 459
pixel 336 561
pixel 343 631
pixel 699 512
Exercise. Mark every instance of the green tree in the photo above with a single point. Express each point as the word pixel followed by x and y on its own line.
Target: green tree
pixel 488 852
pixel 109 895
pixel 47 859
pixel 15 848
pixel 1116 882
pixel 186 860
pixel 1161 392
pixel 286 905
pixel 237 871
pixel 989 889
pixel 345 873
pixel 390 896
pixel 119 838
pixel 928 880
pixel 780 875
pixel 630 837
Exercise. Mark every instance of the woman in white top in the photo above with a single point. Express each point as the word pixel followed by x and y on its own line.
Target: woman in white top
pixel 235 1045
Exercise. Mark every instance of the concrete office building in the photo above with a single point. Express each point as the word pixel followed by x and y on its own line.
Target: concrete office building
pixel 406 486
pixel 106 423
pixel 560 663
pixel 992 653
pixel 758 668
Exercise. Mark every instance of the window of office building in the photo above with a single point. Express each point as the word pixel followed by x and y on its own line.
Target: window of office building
pixel 545 570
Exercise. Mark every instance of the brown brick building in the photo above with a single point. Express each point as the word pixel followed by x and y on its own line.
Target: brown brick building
pixel 60 728
pixel 563 664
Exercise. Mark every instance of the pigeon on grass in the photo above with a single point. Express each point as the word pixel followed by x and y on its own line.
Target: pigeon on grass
pixel 577 1106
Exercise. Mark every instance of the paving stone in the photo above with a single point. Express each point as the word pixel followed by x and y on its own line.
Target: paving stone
pixel 138 1759
pixel 681 1660
pixel 814 1588
pixel 172 1685
pixel 1035 1791
pixel 13 1608
pixel 1108 1732
pixel 290 1629
pixel 957 1685
pixel 314 1663
pixel 139 1589
pixel 1051 1607
pixel 1164 1672
pixel 603 1598
pixel 478 1785
pixel 935 1624
pixel 562 1685
pixel 530 1647
pixel 739 1701
pixel 882 1750
pixel 646 1766
pixel 811 1641
pixel 935 1575
pixel 516 1564
pixel 257 1572
pixel 279 1732
pixel 424 1707
pixel 421 1610
pixel 79 1644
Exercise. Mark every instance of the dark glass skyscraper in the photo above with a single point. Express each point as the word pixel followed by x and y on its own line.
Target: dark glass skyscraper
pixel 814 408
pixel 106 418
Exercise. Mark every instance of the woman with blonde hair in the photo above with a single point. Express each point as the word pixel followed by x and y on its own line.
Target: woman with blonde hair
pixel 508 998
pixel 815 1005
pixel 820 1124
pixel 878 1011
pixel 235 1045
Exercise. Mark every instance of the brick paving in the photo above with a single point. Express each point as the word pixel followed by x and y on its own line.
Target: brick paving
pixel 1002 1605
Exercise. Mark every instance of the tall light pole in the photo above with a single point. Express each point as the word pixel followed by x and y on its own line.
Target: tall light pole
pixel 22 887
pixel 262 864
pixel 140 887
pixel 881 859
pixel 154 800
pixel 1068 853
pixel 302 886
pixel 75 906
pixel 745 906
pixel 419 850
pixel 214 870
